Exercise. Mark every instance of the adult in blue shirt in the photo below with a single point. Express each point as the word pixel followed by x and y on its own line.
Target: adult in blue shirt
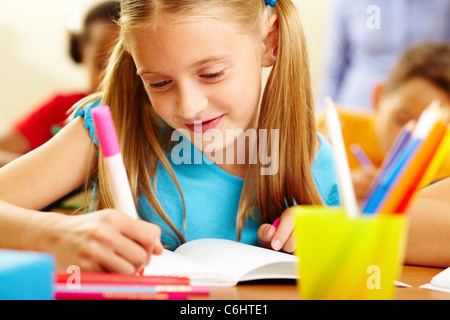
pixel 367 37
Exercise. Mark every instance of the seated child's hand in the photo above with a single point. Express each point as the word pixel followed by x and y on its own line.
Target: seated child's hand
pixel 105 241
pixel 281 238
pixel 362 180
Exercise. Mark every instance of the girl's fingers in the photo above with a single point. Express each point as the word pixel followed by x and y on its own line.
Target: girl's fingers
pixel 146 234
pixel 97 257
pixel 280 238
pixel 290 244
pixel 121 244
pixel 283 236
pixel 113 262
pixel 265 235
pixel 131 251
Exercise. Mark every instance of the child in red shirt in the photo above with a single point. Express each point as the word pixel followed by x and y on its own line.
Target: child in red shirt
pixel 91 48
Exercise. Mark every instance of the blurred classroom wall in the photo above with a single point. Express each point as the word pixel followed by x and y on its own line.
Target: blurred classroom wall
pixel 315 16
pixel 34 59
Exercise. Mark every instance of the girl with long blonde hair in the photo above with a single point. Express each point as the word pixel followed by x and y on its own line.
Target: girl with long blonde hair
pixel 209 152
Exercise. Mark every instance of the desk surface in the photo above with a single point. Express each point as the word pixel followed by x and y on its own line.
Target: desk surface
pixel 412 275
pixel 287 290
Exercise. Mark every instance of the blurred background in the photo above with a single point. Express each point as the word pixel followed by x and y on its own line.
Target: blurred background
pixel 34 59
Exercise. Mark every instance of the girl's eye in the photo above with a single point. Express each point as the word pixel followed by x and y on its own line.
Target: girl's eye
pixel 163 85
pixel 213 76
pixel 159 84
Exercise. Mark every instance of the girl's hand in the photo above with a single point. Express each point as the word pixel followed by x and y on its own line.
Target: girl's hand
pixel 103 241
pixel 281 238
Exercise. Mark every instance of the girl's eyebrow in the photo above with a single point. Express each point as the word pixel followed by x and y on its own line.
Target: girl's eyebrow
pixel 197 64
pixel 209 59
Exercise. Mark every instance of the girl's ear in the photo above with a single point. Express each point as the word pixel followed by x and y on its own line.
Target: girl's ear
pixel 270 43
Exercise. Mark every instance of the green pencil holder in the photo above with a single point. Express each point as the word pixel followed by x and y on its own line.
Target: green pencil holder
pixel 348 259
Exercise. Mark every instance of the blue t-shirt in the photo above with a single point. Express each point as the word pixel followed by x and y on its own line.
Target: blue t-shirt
pixel 211 194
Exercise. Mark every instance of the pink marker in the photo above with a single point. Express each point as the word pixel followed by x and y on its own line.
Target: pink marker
pixel 109 145
pixel 276 223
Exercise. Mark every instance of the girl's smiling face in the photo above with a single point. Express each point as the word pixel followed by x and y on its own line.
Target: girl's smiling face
pixel 200 73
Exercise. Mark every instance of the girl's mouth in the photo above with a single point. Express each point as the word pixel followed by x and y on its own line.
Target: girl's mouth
pixel 201 127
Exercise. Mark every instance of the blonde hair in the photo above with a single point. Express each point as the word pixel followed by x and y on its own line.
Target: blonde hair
pixel 286 105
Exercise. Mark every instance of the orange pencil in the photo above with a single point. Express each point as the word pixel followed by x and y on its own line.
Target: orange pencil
pixel 429 173
pixel 415 170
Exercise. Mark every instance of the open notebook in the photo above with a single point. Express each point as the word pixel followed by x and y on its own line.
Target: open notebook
pixel 440 282
pixel 218 262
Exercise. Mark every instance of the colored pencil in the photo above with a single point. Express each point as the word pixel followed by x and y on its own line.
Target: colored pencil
pixel 373 197
pixel 417 166
pixel 341 161
pixel 115 278
pixel 412 163
pixel 119 296
pixel 429 173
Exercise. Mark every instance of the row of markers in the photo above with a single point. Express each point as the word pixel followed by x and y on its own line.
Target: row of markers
pixel 109 286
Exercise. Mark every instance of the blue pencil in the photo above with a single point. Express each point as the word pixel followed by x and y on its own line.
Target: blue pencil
pixel 392 172
pixel 376 191
pixel 402 154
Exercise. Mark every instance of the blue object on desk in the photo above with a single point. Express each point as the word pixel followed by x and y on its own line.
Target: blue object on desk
pixel 26 275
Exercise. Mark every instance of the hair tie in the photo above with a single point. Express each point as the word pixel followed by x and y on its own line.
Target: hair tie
pixel 271 2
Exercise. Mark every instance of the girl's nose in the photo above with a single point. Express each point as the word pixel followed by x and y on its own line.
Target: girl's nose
pixel 191 101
